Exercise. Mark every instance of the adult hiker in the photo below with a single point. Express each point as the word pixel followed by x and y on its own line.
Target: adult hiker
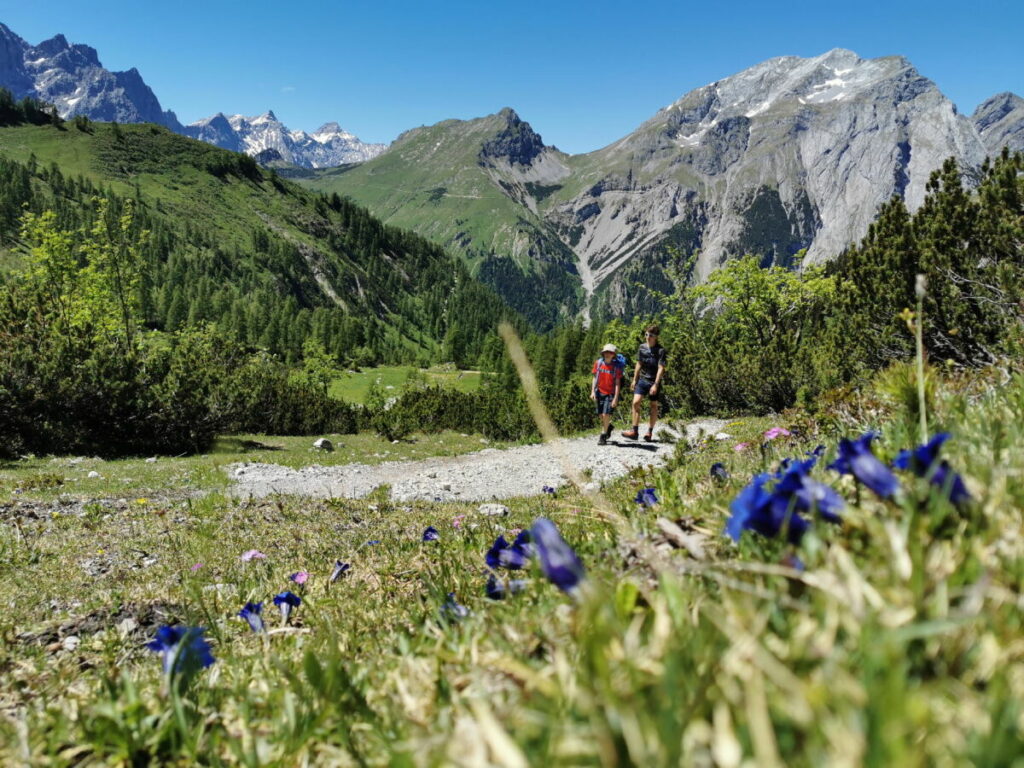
pixel 647 377
pixel 606 386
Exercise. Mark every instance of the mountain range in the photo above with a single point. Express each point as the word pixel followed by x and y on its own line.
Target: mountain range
pixel 792 156
pixel 71 77
pixel 326 147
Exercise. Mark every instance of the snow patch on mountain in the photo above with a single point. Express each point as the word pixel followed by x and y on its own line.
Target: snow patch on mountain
pixel 326 147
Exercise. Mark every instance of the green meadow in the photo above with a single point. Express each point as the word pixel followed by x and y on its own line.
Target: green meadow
pixel 890 638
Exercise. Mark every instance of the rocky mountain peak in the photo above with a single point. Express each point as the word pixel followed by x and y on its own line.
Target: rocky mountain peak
pixel 516 142
pixel 1000 121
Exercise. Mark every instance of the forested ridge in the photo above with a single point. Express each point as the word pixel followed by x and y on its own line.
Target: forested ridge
pixel 228 242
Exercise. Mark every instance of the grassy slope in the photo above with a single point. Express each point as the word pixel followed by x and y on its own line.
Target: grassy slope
pixel 352 387
pixel 899 644
pixel 430 181
pixel 171 172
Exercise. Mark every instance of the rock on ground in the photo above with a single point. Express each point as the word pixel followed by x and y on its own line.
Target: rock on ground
pixel 481 476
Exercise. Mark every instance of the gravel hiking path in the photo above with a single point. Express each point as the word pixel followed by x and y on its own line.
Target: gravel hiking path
pixel 481 476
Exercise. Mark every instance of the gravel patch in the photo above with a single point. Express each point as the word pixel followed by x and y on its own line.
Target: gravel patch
pixel 481 476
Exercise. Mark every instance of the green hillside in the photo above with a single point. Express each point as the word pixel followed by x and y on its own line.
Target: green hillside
pixel 235 244
pixel 440 182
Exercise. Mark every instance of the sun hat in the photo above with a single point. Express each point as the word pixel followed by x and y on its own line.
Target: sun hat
pixel 609 348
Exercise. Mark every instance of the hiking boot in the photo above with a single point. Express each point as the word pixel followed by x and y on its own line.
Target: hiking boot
pixel 649 437
pixel 632 433
pixel 603 439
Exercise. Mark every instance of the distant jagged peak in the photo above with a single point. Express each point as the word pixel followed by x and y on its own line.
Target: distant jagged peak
pixel 57 48
pixel 6 33
pixel 996 108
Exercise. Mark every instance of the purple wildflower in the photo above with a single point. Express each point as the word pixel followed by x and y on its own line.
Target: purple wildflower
pixel 497 589
pixel 452 610
pixel 184 650
pixel 855 458
pixel 252 614
pixel 252 554
pixel 431 534
pixel 285 602
pixel 340 569
pixel 646 497
pixel 557 559
pixel 512 556
pixel 924 461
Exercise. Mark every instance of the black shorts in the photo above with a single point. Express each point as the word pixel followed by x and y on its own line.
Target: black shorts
pixel 643 387
pixel 604 403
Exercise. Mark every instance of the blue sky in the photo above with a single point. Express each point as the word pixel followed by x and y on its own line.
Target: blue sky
pixel 582 73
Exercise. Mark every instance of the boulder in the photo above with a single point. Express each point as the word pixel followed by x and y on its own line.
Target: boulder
pixel 492 510
pixel 323 444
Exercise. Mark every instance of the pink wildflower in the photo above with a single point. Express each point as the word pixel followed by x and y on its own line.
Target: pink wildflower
pixel 774 432
pixel 457 521
pixel 252 554
pixel 196 567
pixel 300 578
pixel 741 447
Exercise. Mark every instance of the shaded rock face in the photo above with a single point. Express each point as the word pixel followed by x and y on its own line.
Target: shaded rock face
pixel 1000 121
pixel 518 143
pixel 72 78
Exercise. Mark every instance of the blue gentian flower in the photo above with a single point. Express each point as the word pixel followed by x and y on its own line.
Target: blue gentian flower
pixel 924 461
pixel 340 569
pixel 757 509
pixel 285 602
pixel 557 559
pixel 373 542
pixel 768 512
pixel 184 650
pixel 251 613
pixel 855 458
pixel 796 488
pixel 431 534
pixel 452 610
pixel 719 473
pixel 512 556
pixel 548 489
pixel 647 497
pixel 497 589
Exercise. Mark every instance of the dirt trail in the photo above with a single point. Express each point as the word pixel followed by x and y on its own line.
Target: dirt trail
pixel 481 476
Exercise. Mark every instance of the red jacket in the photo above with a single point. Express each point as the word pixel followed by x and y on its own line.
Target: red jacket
pixel 609 375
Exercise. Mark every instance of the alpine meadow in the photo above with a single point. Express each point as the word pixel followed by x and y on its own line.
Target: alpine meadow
pixel 299 449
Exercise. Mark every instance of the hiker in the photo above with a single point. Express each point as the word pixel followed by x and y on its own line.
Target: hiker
pixel 606 387
pixel 650 370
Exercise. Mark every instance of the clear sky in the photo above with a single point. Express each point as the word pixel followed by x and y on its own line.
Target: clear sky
pixel 582 73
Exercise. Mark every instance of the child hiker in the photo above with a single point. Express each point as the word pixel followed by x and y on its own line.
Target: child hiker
pixel 606 386
pixel 650 369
